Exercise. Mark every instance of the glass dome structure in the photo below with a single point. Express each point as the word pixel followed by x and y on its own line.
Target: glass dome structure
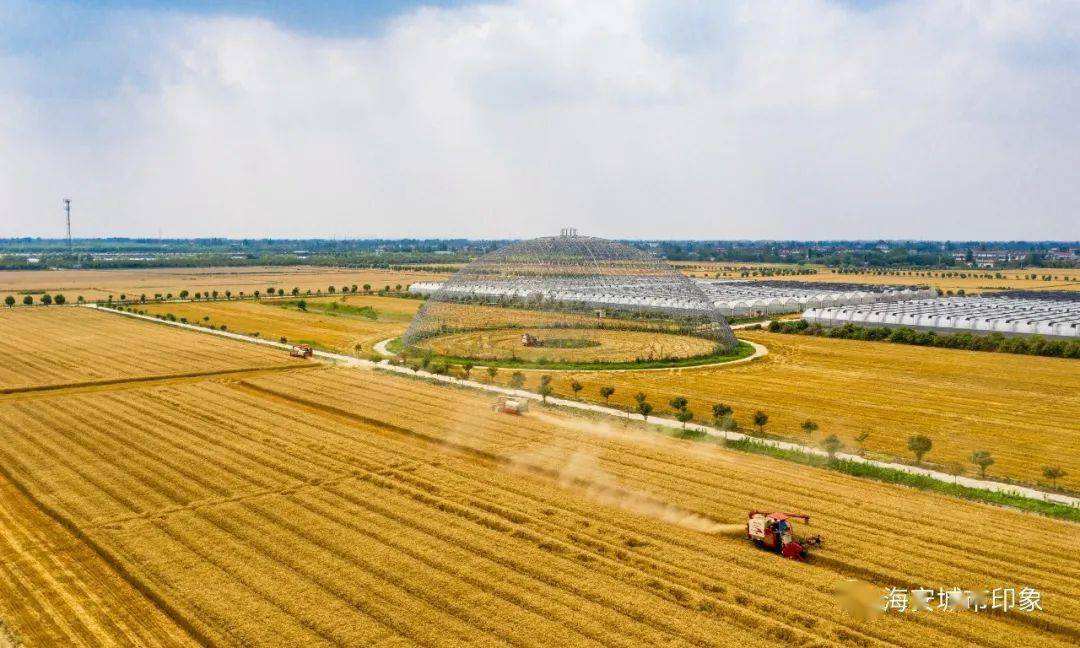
pixel 568 282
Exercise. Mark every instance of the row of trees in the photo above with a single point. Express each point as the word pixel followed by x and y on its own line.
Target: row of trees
pixel 723 417
pixel 1028 345
pixel 46 300
pixel 213 295
pixel 920 445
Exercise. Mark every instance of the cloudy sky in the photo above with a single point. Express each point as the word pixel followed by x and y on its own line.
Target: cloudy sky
pixel 630 118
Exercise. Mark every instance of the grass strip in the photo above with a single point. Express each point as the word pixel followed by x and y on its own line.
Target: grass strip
pixel 744 350
pixel 894 476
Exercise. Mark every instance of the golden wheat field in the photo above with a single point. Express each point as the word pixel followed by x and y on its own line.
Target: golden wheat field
pixel 67 346
pixel 322 325
pixel 1023 409
pixel 580 345
pixel 99 284
pixel 346 507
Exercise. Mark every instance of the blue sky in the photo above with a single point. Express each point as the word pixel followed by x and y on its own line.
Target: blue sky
pixel 329 18
pixel 679 118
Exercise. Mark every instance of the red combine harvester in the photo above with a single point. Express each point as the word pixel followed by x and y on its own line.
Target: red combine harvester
pixel 516 406
pixel 301 351
pixel 773 531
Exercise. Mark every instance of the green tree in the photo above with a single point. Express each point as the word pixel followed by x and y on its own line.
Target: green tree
pixel 919 444
pixel 228 294
pixel 256 294
pixel 9 301
pixel 517 379
pixel 1053 473
pixel 606 392
pixel 184 294
pixel 60 300
pixel 357 348
pixel 545 387
pixel 954 468
pixel 367 287
pixel 861 440
pixel 492 372
pixel 302 305
pixel 983 460
pixel 832 444
pixel 575 386
pixel 721 413
pixel 640 397
pixel 644 408
pixel 46 299
pixel 678 403
pixel 684 416
pixel 761 419
pixel 466 369
pixel 808 428
pixel 295 291
pixel 331 289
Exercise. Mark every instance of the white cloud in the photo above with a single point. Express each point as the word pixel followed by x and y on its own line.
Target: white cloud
pixel 625 118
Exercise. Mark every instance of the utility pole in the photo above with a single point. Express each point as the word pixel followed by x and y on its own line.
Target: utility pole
pixel 67 212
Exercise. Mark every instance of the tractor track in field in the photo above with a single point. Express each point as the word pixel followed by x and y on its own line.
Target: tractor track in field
pixel 600 548
pixel 148 592
pixel 838 566
pixel 59 389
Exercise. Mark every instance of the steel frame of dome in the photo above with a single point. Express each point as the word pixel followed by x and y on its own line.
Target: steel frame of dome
pixel 571 273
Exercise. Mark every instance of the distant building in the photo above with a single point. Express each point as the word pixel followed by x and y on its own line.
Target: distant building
pixel 1063 254
pixel 988 258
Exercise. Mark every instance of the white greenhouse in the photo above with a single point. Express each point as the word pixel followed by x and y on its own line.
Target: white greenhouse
pixel 1006 315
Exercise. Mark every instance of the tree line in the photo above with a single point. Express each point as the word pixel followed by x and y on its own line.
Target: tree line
pixel 996 342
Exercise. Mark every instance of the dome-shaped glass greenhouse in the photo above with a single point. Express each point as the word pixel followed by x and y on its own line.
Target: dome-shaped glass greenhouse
pixel 568 299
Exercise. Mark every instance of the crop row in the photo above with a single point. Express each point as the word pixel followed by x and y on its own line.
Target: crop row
pixel 73 345
pixel 931 550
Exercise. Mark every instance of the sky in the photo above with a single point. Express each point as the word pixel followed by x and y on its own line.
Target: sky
pixel 763 119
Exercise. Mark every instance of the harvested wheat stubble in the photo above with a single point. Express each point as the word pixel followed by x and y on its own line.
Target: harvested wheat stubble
pixel 320 326
pixel 65 346
pixel 99 284
pixel 273 509
pixel 584 345
pixel 1023 409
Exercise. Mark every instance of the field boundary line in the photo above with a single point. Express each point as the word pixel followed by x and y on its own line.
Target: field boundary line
pixel 148 592
pixel 384 365
pixel 108 382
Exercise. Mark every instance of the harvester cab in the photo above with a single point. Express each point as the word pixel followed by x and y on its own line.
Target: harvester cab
pixel 511 405
pixel 775 532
